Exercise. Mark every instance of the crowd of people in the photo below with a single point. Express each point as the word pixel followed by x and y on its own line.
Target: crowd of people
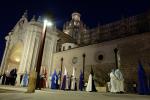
pixel 9 78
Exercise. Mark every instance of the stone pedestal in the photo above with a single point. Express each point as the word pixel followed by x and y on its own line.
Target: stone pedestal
pixel 101 89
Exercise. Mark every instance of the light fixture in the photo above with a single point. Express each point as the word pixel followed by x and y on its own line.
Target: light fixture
pixel 17 59
pixel 48 23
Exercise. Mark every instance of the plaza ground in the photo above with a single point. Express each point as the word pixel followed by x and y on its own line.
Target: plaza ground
pixel 17 93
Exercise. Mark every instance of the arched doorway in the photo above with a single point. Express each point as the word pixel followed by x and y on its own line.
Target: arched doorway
pixel 14 57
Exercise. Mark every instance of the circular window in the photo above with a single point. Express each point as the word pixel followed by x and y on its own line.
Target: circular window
pixel 99 57
pixel 74 60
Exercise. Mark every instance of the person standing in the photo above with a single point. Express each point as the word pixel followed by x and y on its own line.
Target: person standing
pixel 113 81
pixel 120 81
pixel 91 84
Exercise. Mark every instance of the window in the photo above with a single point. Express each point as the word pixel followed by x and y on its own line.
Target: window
pixel 100 57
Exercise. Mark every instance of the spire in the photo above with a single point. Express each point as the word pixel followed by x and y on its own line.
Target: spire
pixel 39 19
pixel 25 15
pixel 33 18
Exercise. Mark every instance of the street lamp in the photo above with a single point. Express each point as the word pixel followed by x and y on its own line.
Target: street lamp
pixel 116 57
pixel 39 61
pixel 83 64
pixel 36 83
pixel 61 71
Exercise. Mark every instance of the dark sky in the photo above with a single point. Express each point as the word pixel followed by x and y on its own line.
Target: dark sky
pixel 92 11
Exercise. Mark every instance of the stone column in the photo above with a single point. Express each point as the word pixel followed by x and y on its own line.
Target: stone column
pixel 34 55
pixel 53 49
pixel 5 55
pixel 30 54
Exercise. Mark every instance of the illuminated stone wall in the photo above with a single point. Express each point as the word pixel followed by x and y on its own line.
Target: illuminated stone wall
pixel 130 49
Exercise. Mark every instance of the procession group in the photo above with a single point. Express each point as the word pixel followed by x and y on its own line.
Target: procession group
pixel 66 82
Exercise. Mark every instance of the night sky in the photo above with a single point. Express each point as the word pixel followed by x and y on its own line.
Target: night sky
pixel 92 12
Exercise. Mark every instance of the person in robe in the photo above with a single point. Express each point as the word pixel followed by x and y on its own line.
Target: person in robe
pixel 120 81
pixel 21 76
pixel 70 81
pixel 113 81
pixel 59 76
pixel 108 86
pixel 50 80
pixel 13 77
pixel 81 82
pixel 8 78
pixel 54 81
pixel 63 85
pixel 25 78
pixel 73 81
pixel 91 84
pixel 3 79
pixel 67 82
pixel 45 78
pixel 142 81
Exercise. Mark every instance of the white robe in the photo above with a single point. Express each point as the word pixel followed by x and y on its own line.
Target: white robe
pixel 120 82
pixel 1 80
pixel 67 82
pixel 113 82
pixel 50 81
pixel 73 83
pixel 89 85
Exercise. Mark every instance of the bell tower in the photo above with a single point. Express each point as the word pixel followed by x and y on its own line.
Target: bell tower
pixel 75 27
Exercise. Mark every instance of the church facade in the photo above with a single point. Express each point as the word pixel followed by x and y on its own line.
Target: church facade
pixel 119 44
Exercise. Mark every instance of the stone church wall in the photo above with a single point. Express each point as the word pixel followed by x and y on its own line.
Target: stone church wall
pixel 102 58
pixel 99 56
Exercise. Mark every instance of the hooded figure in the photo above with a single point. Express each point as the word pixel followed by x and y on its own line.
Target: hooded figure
pixel 63 86
pixel 24 81
pixel 91 85
pixel 73 80
pixel 50 80
pixel 142 80
pixel 81 82
pixel 120 81
pixel 1 78
pixel 113 81
pixel 54 81
pixel 12 77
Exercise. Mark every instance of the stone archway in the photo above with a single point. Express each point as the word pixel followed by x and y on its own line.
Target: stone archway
pixel 14 56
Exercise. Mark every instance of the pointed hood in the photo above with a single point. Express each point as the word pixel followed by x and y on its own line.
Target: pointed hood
pixel 142 80
pixel 73 73
pixel 65 72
